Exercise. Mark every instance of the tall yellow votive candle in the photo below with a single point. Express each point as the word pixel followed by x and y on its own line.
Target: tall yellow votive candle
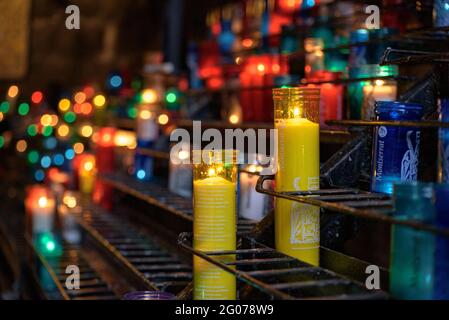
pixel 214 226
pixel 297 225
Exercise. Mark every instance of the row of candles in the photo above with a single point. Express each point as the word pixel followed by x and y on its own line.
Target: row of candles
pixel 260 73
pixel 297 226
pixel 276 63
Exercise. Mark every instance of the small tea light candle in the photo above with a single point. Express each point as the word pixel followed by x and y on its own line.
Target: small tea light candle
pixel 181 172
pixel 40 205
pixel 380 90
pixel 68 211
pixel 252 204
pixel 87 174
pixel 58 182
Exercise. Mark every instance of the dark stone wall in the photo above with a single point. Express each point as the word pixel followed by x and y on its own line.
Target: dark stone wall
pixel 114 34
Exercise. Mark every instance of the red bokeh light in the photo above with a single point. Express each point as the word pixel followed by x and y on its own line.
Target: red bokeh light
pixel 37 97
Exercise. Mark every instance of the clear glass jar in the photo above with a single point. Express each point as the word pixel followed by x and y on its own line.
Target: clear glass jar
pixel 442 244
pixel 215 221
pixel 297 226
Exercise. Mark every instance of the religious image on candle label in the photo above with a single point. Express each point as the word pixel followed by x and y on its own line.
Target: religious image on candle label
pixel 409 166
pixel 305 221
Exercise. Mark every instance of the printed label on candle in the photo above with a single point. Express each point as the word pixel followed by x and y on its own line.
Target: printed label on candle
pixel 445 159
pixel 213 283
pixel 409 165
pixel 297 230
pixel 314 183
pixel 305 221
pixel 214 228
pixel 214 213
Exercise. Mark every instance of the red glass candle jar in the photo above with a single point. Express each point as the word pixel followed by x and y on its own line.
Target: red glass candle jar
pixel 331 105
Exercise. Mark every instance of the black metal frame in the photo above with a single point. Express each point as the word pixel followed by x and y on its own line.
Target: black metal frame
pixel 303 280
pixel 354 202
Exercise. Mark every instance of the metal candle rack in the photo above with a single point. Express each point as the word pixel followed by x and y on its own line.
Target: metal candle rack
pixel 159 196
pixel 92 285
pixel 148 264
pixel 354 202
pixel 280 276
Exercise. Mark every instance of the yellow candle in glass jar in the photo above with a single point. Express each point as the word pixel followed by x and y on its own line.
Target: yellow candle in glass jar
pixel 297 225
pixel 214 228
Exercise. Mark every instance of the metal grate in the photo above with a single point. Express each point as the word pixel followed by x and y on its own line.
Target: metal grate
pixel 92 286
pixel 375 123
pixel 143 257
pixel 159 196
pixel 374 206
pixel 280 276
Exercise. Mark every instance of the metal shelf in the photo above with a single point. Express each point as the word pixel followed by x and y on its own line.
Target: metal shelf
pixel 159 196
pixel 413 57
pixel 280 276
pixel 141 257
pixel 362 204
pixel 92 285
pixel 375 123
pixel 326 136
pixel 238 88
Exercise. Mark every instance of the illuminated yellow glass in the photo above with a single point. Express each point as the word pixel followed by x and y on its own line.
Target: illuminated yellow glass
pixel 215 221
pixel 297 226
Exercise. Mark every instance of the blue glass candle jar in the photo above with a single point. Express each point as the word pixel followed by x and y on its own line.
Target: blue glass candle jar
pixel 444 142
pixel 441 8
pixel 442 243
pixel 412 251
pixel 359 50
pixel 395 149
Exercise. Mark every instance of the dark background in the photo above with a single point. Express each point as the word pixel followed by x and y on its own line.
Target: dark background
pixel 114 34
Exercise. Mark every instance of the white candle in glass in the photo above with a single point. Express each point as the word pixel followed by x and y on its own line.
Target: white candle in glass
pixel 43 214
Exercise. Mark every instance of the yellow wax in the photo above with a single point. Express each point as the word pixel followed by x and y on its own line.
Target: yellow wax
pixel 214 228
pixel 297 226
pixel 87 181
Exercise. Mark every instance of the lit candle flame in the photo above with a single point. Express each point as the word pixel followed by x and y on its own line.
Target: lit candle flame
pixel 88 166
pixel 296 112
pixel 42 202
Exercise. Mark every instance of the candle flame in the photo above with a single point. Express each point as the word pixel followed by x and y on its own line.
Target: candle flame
pixel 70 201
pixel 88 166
pixel 296 112
pixel 145 115
pixel 183 155
pixel 42 202
pixel 252 168
pixel 380 83
pixel 234 119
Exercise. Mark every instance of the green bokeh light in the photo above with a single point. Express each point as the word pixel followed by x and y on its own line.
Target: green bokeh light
pixel 70 117
pixel 171 97
pixel 2 141
pixel 47 131
pixel 132 112
pixel 48 244
pixel 32 130
pixel 4 107
pixel 24 108
pixel 33 157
